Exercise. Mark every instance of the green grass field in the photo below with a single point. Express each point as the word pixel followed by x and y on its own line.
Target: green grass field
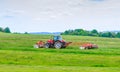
pixel 18 55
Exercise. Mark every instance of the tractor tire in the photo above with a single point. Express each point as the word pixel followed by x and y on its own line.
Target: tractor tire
pixel 87 47
pixel 58 45
pixel 47 45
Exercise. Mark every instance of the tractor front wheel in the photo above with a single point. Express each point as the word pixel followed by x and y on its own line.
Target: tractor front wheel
pixel 58 45
pixel 47 45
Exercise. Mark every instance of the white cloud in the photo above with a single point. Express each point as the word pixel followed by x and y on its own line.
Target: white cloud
pixel 86 14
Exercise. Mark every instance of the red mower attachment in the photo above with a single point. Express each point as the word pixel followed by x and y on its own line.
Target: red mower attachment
pixel 88 46
pixel 39 44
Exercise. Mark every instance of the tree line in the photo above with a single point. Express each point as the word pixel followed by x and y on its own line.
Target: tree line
pixel 5 30
pixel 94 32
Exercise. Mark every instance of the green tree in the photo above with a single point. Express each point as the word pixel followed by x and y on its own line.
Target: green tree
pixel 26 33
pixel 79 32
pixel 118 35
pixel 68 32
pixel 7 30
pixel 113 34
pixel 94 32
pixel 1 29
pixel 108 34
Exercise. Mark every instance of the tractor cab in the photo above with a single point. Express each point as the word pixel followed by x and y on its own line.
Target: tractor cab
pixel 57 38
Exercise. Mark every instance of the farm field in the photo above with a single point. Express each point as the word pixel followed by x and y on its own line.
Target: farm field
pixel 18 55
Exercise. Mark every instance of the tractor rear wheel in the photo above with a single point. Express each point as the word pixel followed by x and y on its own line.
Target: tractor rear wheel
pixel 58 45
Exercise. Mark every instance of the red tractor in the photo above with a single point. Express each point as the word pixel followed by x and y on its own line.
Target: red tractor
pixel 56 42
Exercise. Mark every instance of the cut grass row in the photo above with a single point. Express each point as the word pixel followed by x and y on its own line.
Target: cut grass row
pixel 69 50
pixel 58 59
pixel 23 68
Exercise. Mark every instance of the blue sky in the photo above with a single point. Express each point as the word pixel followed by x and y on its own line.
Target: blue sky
pixel 59 15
